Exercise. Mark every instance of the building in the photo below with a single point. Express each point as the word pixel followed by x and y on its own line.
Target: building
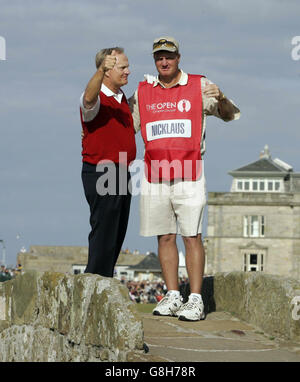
pixel 65 259
pixel 73 259
pixel 148 269
pixel 182 271
pixel 124 268
pixel 256 226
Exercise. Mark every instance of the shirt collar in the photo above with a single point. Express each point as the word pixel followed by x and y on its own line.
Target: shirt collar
pixel 109 93
pixel 183 80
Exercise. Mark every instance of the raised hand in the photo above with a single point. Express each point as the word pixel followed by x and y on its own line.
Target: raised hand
pixel 109 62
pixel 212 90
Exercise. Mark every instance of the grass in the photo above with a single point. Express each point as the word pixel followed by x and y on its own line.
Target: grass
pixel 145 308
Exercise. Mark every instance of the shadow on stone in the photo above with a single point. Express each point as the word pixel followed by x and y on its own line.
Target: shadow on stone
pixel 145 348
pixel 207 293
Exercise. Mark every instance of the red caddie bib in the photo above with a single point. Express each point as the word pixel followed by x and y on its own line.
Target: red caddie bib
pixel 171 127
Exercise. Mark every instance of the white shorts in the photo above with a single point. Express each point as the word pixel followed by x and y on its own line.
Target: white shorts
pixel 172 208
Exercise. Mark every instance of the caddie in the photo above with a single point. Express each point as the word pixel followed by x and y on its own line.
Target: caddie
pixel 170 110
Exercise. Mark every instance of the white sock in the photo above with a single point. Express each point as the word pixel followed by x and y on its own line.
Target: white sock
pixel 174 292
pixel 196 295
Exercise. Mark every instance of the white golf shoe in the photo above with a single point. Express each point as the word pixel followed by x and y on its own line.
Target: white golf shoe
pixel 193 310
pixel 168 306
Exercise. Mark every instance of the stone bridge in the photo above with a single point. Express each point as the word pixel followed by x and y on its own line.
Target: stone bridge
pixel 77 318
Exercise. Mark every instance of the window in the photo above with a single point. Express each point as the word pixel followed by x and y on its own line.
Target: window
pixel 78 268
pixel 259 185
pixel 262 226
pixel 253 262
pixel 253 226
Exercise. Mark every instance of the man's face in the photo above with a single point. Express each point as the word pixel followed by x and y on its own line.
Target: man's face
pixel 118 76
pixel 167 63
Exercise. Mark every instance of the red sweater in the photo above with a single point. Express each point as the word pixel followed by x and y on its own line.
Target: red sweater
pixel 109 133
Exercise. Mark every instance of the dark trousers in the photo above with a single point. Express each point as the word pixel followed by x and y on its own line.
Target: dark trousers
pixel 109 214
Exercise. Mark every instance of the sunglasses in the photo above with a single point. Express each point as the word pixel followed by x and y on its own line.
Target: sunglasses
pixel 165 43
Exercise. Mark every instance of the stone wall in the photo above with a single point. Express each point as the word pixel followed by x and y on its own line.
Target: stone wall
pixel 266 301
pixel 60 317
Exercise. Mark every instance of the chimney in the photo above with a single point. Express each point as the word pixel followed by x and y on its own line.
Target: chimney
pixel 265 153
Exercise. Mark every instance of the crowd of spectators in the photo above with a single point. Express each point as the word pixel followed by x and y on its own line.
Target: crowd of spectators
pixel 9 273
pixel 145 292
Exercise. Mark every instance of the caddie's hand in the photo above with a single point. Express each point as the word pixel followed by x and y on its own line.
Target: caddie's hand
pixel 212 90
pixel 82 134
pixel 108 63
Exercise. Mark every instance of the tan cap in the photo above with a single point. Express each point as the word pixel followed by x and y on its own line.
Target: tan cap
pixel 165 43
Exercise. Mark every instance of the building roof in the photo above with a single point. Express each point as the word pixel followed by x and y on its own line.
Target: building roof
pixel 129 259
pixel 265 165
pixel 150 262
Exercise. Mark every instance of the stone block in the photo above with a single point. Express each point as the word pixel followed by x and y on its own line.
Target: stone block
pixel 59 317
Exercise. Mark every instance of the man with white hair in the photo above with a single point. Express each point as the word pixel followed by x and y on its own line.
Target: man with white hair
pixel 170 110
pixel 108 131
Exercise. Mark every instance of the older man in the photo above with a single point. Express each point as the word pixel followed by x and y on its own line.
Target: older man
pixel 171 111
pixel 108 138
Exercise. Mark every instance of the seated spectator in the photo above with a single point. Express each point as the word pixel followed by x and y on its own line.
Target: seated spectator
pixel 4 274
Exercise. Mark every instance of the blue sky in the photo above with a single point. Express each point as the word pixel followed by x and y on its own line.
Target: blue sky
pixel 244 47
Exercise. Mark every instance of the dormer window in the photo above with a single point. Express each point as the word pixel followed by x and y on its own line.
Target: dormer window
pixel 258 185
pixel 263 175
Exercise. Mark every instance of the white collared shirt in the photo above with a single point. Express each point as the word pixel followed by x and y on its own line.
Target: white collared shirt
pixel 89 114
pixel 183 80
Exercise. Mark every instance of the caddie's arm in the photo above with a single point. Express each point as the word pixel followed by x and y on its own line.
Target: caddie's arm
pixel 225 107
pixel 134 108
pixel 94 86
pixel 133 102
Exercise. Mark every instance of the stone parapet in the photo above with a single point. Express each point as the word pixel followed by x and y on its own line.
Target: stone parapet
pixel 63 318
pixel 272 303
pixel 254 199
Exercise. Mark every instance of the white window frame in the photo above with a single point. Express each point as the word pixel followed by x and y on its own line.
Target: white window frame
pixel 260 261
pixel 263 185
pixel 253 227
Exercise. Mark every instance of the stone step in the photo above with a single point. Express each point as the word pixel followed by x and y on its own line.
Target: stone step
pixel 219 338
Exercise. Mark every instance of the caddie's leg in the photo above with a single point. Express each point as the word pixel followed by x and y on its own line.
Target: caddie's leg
pixel 169 260
pixel 195 261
